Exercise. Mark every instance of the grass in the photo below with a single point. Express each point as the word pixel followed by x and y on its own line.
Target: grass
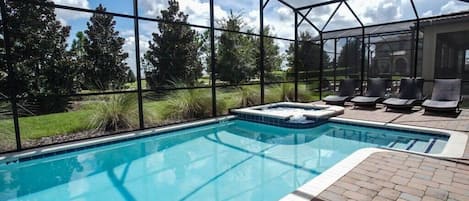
pixel 54 124
pixel 78 120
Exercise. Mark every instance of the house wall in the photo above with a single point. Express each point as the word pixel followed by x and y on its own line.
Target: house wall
pixel 430 33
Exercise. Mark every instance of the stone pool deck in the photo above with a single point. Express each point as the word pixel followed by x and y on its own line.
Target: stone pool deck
pixel 403 176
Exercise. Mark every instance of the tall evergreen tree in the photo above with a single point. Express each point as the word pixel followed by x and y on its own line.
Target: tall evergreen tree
pixel 174 51
pixel 308 54
pixel 272 60
pixel 131 76
pixel 78 44
pixel 78 54
pixel 107 68
pixel 350 55
pixel 38 55
pixel 236 60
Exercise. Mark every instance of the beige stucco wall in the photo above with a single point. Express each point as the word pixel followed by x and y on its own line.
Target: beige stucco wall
pixel 429 48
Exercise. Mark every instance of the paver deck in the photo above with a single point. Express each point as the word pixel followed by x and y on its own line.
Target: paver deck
pixel 404 176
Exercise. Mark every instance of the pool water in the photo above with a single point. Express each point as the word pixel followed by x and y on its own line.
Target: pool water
pixel 234 160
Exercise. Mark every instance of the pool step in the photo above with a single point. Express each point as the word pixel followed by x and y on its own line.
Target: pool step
pixel 392 144
pixel 430 145
pixel 410 144
pixel 417 145
pixel 438 145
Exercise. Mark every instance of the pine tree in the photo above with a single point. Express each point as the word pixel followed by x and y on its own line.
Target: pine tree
pixel 39 56
pixel 174 51
pixel 107 68
pixel 78 54
pixel 272 59
pixel 131 76
pixel 308 54
pixel 78 45
pixel 236 60
pixel 350 55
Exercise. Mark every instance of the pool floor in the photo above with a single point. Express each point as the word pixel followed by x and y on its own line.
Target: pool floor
pixel 235 160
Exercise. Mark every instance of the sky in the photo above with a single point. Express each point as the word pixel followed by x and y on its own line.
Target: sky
pixel 280 18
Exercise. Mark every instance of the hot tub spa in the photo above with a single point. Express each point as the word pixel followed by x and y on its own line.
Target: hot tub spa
pixel 289 114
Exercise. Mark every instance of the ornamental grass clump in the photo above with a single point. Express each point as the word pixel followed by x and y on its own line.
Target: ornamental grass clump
pixel 190 104
pixel 117 112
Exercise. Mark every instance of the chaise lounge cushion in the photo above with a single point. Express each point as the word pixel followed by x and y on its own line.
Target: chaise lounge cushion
pixel 399 102
pixel 374 94
pixel 440 105
pixel 410 94
pixel 335 99
pixel 347 91
pixel 365 100
pixel 446 95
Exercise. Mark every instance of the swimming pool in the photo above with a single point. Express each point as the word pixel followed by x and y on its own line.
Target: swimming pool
pixel 231 160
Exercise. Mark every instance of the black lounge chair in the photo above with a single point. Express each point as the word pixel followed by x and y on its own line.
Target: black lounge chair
pixel 346 92
pixel 375 93
pixel 410 95
pixel 446 96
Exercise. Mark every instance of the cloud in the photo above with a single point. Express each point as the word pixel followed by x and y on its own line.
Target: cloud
pixel 453 7
pixel 64 16
pixel 198 11
pixel 427 13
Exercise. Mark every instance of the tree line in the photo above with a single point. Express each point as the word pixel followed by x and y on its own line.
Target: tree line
pixel 47 70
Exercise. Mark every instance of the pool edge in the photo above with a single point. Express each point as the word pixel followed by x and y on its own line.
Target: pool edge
pixel 315 186
pixel 104 140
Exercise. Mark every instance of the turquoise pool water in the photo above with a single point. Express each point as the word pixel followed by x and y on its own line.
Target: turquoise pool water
pixel 234 160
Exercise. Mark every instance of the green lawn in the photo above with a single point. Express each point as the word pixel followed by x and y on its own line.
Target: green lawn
pixel 78 120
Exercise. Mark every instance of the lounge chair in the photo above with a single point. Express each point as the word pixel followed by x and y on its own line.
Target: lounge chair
pixel 446 96
pixel 346 92
pixel 410 94
pixel 375 93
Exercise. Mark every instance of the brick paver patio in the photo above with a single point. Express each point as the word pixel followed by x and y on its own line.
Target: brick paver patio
pixel 404 176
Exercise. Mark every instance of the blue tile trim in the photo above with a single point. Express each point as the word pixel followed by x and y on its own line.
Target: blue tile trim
pixel 310 123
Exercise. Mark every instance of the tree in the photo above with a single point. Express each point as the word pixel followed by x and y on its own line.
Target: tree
pixel 272 59
pixel 131 76
pixel 78 53
pixel 44 72
pixel 107 68
pixel 174 51
pixel 235 52
pixel 350 55
pixel 78 44
pixel 308 54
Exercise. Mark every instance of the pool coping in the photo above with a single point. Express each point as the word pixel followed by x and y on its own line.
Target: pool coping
pixel 457 143
pixel 318 184
pixel 104 140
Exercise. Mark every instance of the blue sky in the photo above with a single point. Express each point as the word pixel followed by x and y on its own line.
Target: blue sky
pixel 279 17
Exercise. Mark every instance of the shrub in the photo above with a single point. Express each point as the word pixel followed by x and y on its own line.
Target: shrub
pixel 191 104
pixel 118 112
pixel 285 92
pixel 248 96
